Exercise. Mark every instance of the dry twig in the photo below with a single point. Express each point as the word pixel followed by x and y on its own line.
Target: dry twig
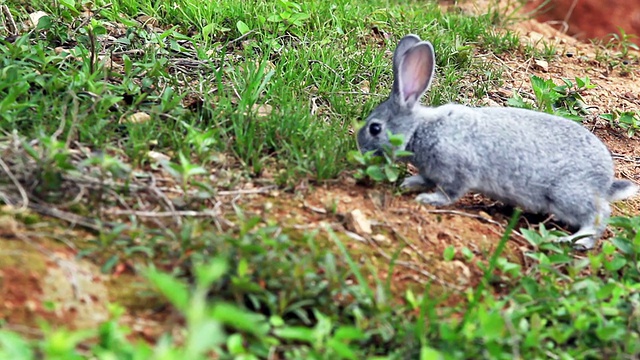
pixel 16 183
pixel 10 24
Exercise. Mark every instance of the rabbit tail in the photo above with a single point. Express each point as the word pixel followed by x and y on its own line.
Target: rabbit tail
pixel 621 189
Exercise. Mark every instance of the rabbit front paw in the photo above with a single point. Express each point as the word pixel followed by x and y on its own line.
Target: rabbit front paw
pixel 434 199
pixel 415 182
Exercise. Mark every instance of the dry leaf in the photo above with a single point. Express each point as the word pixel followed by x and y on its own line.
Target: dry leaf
pixel 263 110
pixel 364 87
pixel 314 105
pixel 147 20
pixel 464 274
pixel 314 208
pixel 34 17
pixel 158 157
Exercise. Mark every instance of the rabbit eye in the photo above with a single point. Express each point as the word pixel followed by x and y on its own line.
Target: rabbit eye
pixel 375 129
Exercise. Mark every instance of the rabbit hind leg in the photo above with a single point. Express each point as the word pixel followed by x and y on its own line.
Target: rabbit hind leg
pixel 590 214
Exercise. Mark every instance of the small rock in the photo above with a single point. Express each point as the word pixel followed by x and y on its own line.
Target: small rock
pixel 381 239
pixel 535 36
pixel 542 65
pixel 137 118
pixel 358 223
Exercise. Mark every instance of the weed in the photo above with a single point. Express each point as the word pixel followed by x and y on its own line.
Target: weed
pixel 627 120
pixel 548 52
pixel 622 42
pixel 564 100
pixel 53 159
pixel 184 171
pixel 382 167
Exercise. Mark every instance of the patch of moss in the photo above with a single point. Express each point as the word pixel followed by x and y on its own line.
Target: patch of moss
pixel 133 292
pixel 28 218
pixel 20 254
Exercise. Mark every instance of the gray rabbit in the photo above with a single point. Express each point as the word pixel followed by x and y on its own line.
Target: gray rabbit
pixel 540 162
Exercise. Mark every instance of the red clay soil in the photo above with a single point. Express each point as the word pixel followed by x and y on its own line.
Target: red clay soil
pixel 589 19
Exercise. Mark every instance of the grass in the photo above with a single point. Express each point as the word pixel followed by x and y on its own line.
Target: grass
pixel 329 55
pixel 175 105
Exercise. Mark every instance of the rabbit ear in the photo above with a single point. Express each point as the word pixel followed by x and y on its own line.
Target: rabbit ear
pixel 414 74
pixel 404 44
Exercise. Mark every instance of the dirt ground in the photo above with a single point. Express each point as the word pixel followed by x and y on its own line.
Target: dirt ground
pixel 40 270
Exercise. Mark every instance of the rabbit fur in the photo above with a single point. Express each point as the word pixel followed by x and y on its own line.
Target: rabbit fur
pixel 540 162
